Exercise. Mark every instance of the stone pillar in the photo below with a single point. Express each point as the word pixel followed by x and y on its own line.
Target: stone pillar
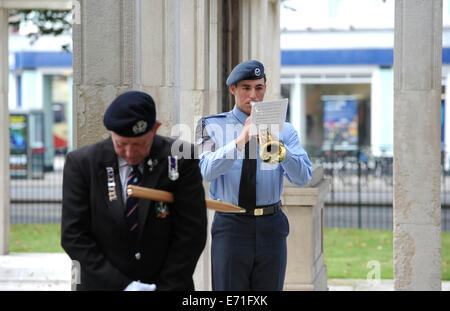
pixel 260 39
pixel 306 269
pixel 105 63
pixel 167 48
pixel 417 94
pixel 4 134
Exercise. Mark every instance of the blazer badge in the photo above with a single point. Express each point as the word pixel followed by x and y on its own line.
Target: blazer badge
pixel 161 209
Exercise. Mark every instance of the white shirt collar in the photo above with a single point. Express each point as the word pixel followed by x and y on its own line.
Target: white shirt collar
pixel 122 162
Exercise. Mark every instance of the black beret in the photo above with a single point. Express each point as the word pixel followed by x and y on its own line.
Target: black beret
pixel 248 70
pixel 131 114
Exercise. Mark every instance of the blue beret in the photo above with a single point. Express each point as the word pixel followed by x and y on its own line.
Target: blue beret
pixel 248 70
pixel 131 114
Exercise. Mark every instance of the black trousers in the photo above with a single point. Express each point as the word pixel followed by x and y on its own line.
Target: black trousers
pixel 249 252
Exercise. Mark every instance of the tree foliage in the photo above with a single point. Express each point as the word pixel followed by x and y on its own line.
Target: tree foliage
pixel 46 22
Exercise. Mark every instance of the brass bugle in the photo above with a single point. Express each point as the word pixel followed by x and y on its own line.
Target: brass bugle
pixel 271 151
pixel 165 196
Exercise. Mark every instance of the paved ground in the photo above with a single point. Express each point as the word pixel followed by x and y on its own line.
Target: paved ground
pixel 35 272
pixel 364 285
pixel 52 272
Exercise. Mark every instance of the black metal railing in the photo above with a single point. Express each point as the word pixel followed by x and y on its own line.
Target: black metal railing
pixel 361 192
pixel 37 198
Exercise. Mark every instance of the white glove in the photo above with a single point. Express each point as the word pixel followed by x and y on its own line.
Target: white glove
pixel 138 286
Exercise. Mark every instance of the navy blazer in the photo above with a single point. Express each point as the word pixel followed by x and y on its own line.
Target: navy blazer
pixel 94 230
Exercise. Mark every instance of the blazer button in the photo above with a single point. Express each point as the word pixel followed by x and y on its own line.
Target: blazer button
pixel 137 256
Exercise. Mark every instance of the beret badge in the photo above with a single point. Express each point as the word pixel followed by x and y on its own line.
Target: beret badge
pixel 248 70
pixel 140 127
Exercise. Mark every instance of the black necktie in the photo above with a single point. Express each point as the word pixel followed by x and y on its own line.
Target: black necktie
pixel 247 186
pixel 134 178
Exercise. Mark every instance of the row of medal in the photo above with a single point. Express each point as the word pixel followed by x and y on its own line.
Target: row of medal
pixel 172 174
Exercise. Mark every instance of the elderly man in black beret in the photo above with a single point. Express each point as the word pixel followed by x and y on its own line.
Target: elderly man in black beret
pixel 120 242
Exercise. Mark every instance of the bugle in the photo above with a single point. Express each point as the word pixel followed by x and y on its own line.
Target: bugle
pixel 270 150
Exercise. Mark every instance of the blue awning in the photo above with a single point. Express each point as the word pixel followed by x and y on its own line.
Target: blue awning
pixel 30 60
pixel 380 57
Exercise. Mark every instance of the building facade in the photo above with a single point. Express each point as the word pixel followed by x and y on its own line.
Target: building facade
pixel 337 70
pixel 40 88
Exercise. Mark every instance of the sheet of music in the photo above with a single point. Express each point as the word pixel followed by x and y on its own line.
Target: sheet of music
pixel 269 114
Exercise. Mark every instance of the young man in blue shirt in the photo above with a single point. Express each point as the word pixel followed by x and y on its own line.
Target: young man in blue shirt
pixel 248 251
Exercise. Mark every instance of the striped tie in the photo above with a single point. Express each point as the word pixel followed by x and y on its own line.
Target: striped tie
pixel 134 178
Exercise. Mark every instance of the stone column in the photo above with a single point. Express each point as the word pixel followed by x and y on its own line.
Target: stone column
pixel 105 63
pixel 4 134
pixel 417 93
pixel 164 48
pixel 167 48
pixel 180 63
pixel 260 39
pixel 304 207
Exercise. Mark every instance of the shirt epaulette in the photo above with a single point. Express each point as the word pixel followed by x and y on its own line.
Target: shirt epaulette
pixel 218 115
pixel 199 131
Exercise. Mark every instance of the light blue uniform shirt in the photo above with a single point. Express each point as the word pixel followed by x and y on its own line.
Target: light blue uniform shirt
pixel 221 161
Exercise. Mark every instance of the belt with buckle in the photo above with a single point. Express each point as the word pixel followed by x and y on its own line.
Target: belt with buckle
pixel 263 210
